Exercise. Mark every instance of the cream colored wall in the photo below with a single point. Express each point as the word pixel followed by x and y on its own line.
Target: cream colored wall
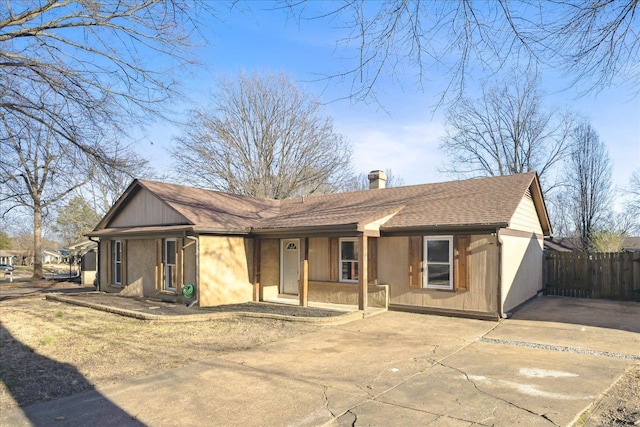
pixel 146 209
pixel 525 217
pixel 319 268
pixel 393 270
pixel 224 271
pixel 521 269
pixel 270 267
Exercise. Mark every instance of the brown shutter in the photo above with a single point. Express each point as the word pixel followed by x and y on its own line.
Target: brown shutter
pixel 109 265
pixel 372 260
pixel 415 262
pixel 179 264
pixel 334 259
pixel 159 265
pixel 461 263
pixel 123 262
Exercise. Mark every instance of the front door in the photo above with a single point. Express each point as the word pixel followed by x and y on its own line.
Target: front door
pixel 289 266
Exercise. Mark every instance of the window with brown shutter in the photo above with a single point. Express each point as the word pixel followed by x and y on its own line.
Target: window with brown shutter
pixel 415 262
pixel 461 263
pixel 438 262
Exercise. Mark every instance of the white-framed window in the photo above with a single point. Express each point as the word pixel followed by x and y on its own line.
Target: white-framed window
pixel 438 262
pixel 117 262
pixel 170 273
pixel 349 260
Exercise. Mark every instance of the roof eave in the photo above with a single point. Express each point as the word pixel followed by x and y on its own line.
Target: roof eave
pixel 442 228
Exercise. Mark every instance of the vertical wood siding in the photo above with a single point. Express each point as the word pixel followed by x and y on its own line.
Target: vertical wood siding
pixel 482 270
pixel 146 209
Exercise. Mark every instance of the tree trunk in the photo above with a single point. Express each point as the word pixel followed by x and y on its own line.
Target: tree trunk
pixel 37 242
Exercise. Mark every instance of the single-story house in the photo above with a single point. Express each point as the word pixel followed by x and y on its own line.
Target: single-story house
pixel 471 247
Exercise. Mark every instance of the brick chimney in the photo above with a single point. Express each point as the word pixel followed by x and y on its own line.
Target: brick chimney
pixel 377 179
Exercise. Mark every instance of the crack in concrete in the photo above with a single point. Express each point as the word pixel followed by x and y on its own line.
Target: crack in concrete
pixel 355 417
pixel 475 385
pixel 326 401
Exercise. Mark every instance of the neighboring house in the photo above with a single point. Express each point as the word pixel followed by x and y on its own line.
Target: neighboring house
pixel 52 257
pixel 471 247
pixel 87 251
pixel 8 257
pixel 574 244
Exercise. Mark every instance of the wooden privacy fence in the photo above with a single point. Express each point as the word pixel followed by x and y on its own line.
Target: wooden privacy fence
pixel 598 275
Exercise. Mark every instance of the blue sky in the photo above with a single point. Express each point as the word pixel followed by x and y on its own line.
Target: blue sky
pixel 404 136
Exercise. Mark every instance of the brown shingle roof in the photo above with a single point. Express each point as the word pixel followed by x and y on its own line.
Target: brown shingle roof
pixel 473 202
pixel 213 209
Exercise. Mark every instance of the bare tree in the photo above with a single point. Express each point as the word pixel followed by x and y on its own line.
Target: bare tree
pixel 506 131
pixel 262 136
pixel 108 59
pixel 593 41
pixel 632 205
pixel 588 178
pixel 361 181
pixel 39 168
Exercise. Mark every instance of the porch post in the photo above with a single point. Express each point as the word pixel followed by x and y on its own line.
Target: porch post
pixel 257 291
pixel 303 284
pixel 363 269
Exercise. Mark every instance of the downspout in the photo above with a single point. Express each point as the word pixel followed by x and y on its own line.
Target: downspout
pixel 499 245
pixel 196 240
pixel 97 262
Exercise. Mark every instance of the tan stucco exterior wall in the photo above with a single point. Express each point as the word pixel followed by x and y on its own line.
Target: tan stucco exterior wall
pixel 224 270
pixel 393 270
pixel 521 269
pixel 270 267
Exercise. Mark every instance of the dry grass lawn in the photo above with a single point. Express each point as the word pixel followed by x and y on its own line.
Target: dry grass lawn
pixel 50 350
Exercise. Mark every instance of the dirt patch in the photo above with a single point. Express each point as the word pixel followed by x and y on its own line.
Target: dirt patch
pixel 50 349
pixel 619 406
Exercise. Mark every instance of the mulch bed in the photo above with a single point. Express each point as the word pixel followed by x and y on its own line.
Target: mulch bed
pixel 162 308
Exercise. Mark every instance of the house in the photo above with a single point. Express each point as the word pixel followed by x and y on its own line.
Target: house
pixel 472 247
pixel 574 244
pixel 85 253
pixel 8 257
pixel 53 257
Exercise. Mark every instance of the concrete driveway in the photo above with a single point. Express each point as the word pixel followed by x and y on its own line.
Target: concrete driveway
pixel 543 367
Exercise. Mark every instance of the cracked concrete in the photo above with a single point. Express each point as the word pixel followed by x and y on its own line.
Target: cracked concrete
pixel 392 369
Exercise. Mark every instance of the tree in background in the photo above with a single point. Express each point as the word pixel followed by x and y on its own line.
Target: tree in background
pixel 588 180
pixel 262 136
pixel 5 240
pixel 111 61
pixel 361 181
pixel 506 131
pixel 74 220
pixel 73 74
pixel 632 205
pixel 596 43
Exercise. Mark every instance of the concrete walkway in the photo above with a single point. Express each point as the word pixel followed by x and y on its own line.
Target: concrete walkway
pixel 541 368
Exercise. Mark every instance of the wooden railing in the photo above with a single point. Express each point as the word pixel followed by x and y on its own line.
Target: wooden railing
pixel 597 275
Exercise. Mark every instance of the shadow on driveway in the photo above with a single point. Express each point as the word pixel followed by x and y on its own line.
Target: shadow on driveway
pixel 600 313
